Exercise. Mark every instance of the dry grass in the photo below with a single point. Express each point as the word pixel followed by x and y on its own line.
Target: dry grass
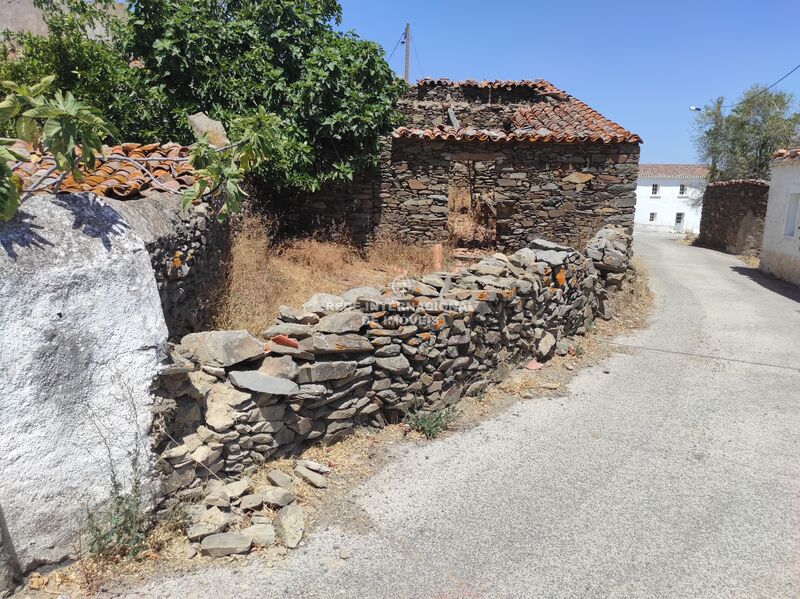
pixel 264 275
pixel 751 261
pixel 465 229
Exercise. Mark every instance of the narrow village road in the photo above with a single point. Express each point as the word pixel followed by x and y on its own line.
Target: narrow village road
pixel 677 474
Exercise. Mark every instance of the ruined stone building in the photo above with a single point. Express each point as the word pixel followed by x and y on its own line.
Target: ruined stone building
pixel 505 161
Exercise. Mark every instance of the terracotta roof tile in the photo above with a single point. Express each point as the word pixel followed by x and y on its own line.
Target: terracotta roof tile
pixel 557 117
pixel 673 171
pixel 115 175
pixel 786 155
pixel 754 182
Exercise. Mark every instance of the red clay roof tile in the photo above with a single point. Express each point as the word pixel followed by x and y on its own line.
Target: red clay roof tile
pixel 116 175
pixel 558 118
pixel 672 171
pixel 786 155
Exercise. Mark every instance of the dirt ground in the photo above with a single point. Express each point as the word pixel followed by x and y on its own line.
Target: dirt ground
pixel 352 461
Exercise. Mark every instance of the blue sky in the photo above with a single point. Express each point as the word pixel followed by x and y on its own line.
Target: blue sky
pixel 640 63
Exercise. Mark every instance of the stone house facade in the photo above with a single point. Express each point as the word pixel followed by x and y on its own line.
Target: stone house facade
pixel 522 159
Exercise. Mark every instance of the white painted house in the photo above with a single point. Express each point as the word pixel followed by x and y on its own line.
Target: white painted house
pixel 664 196
pixel 780 250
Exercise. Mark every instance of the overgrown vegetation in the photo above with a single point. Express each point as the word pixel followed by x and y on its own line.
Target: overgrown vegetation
pixel 740 144
pixel 431 424
pixel 55 123
pixel 330 92
pixel 120 528
pixel 265 274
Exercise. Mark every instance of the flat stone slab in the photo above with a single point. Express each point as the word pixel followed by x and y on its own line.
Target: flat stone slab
pixel 276 496
pixel 223 348
pixel 315 466
pixel 349 321
pixel 226 543
pixel 336 344
pixel 315 479
pixel 253 380
pixel 282 367
pixel 260 534
pixel 278 478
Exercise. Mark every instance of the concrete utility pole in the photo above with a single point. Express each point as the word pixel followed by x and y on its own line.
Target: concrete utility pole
pixel 408 47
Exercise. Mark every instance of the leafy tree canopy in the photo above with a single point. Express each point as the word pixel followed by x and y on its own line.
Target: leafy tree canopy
pixel 332 92
pixel 740 144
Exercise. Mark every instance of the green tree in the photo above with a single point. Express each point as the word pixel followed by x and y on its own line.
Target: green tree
pixel 333 92
pixel 741 143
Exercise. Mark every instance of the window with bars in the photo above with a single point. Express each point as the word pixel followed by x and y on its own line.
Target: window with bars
pixel 654 190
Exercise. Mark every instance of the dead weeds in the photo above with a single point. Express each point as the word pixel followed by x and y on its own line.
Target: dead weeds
pixel 264 275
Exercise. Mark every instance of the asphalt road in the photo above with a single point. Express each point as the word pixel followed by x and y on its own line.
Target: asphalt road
pixel 677 474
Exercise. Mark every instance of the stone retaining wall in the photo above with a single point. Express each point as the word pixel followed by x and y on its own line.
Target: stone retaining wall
pixel 230 401
pixel 733 216
pixel 188 251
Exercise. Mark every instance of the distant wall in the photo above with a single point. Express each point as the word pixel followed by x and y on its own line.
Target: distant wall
pixel 21 15
pixel 733 216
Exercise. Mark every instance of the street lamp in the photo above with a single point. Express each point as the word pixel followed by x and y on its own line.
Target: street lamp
pixel 695 109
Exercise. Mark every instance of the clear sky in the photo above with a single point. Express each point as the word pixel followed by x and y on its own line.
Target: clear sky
pixel 641 63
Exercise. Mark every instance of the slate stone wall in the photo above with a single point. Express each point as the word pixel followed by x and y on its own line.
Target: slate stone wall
pixel 560 192
pixel 230 401
pixel 733 216
pixel 189 250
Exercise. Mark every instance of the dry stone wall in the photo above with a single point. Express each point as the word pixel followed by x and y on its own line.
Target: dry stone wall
pixel 230 401
pixel 560 192
pixel 188 251
pixel 733 216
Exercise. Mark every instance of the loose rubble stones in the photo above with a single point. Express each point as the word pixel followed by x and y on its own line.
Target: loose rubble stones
pixel 290 524
pixel 313 478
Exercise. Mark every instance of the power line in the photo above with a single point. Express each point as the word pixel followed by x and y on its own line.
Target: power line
pixel 763 91
pixel 402 35
pixel 416 55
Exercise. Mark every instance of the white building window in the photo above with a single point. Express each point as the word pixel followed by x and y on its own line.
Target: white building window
pixel 682 190
pixel 792 210
pixel 654 190
pixel 652 217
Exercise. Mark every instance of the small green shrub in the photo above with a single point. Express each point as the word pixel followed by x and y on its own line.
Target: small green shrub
pixel 119 528
pixel 431 424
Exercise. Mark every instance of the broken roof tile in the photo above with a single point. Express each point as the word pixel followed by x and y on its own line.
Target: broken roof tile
pixel 115 175
pixel 557 117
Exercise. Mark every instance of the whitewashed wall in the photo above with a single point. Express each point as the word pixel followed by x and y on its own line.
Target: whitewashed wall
pixel 667 204
pixel 82 338
pixel 780 253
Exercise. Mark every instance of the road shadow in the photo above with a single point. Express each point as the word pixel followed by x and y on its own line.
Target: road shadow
pixel 778 286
